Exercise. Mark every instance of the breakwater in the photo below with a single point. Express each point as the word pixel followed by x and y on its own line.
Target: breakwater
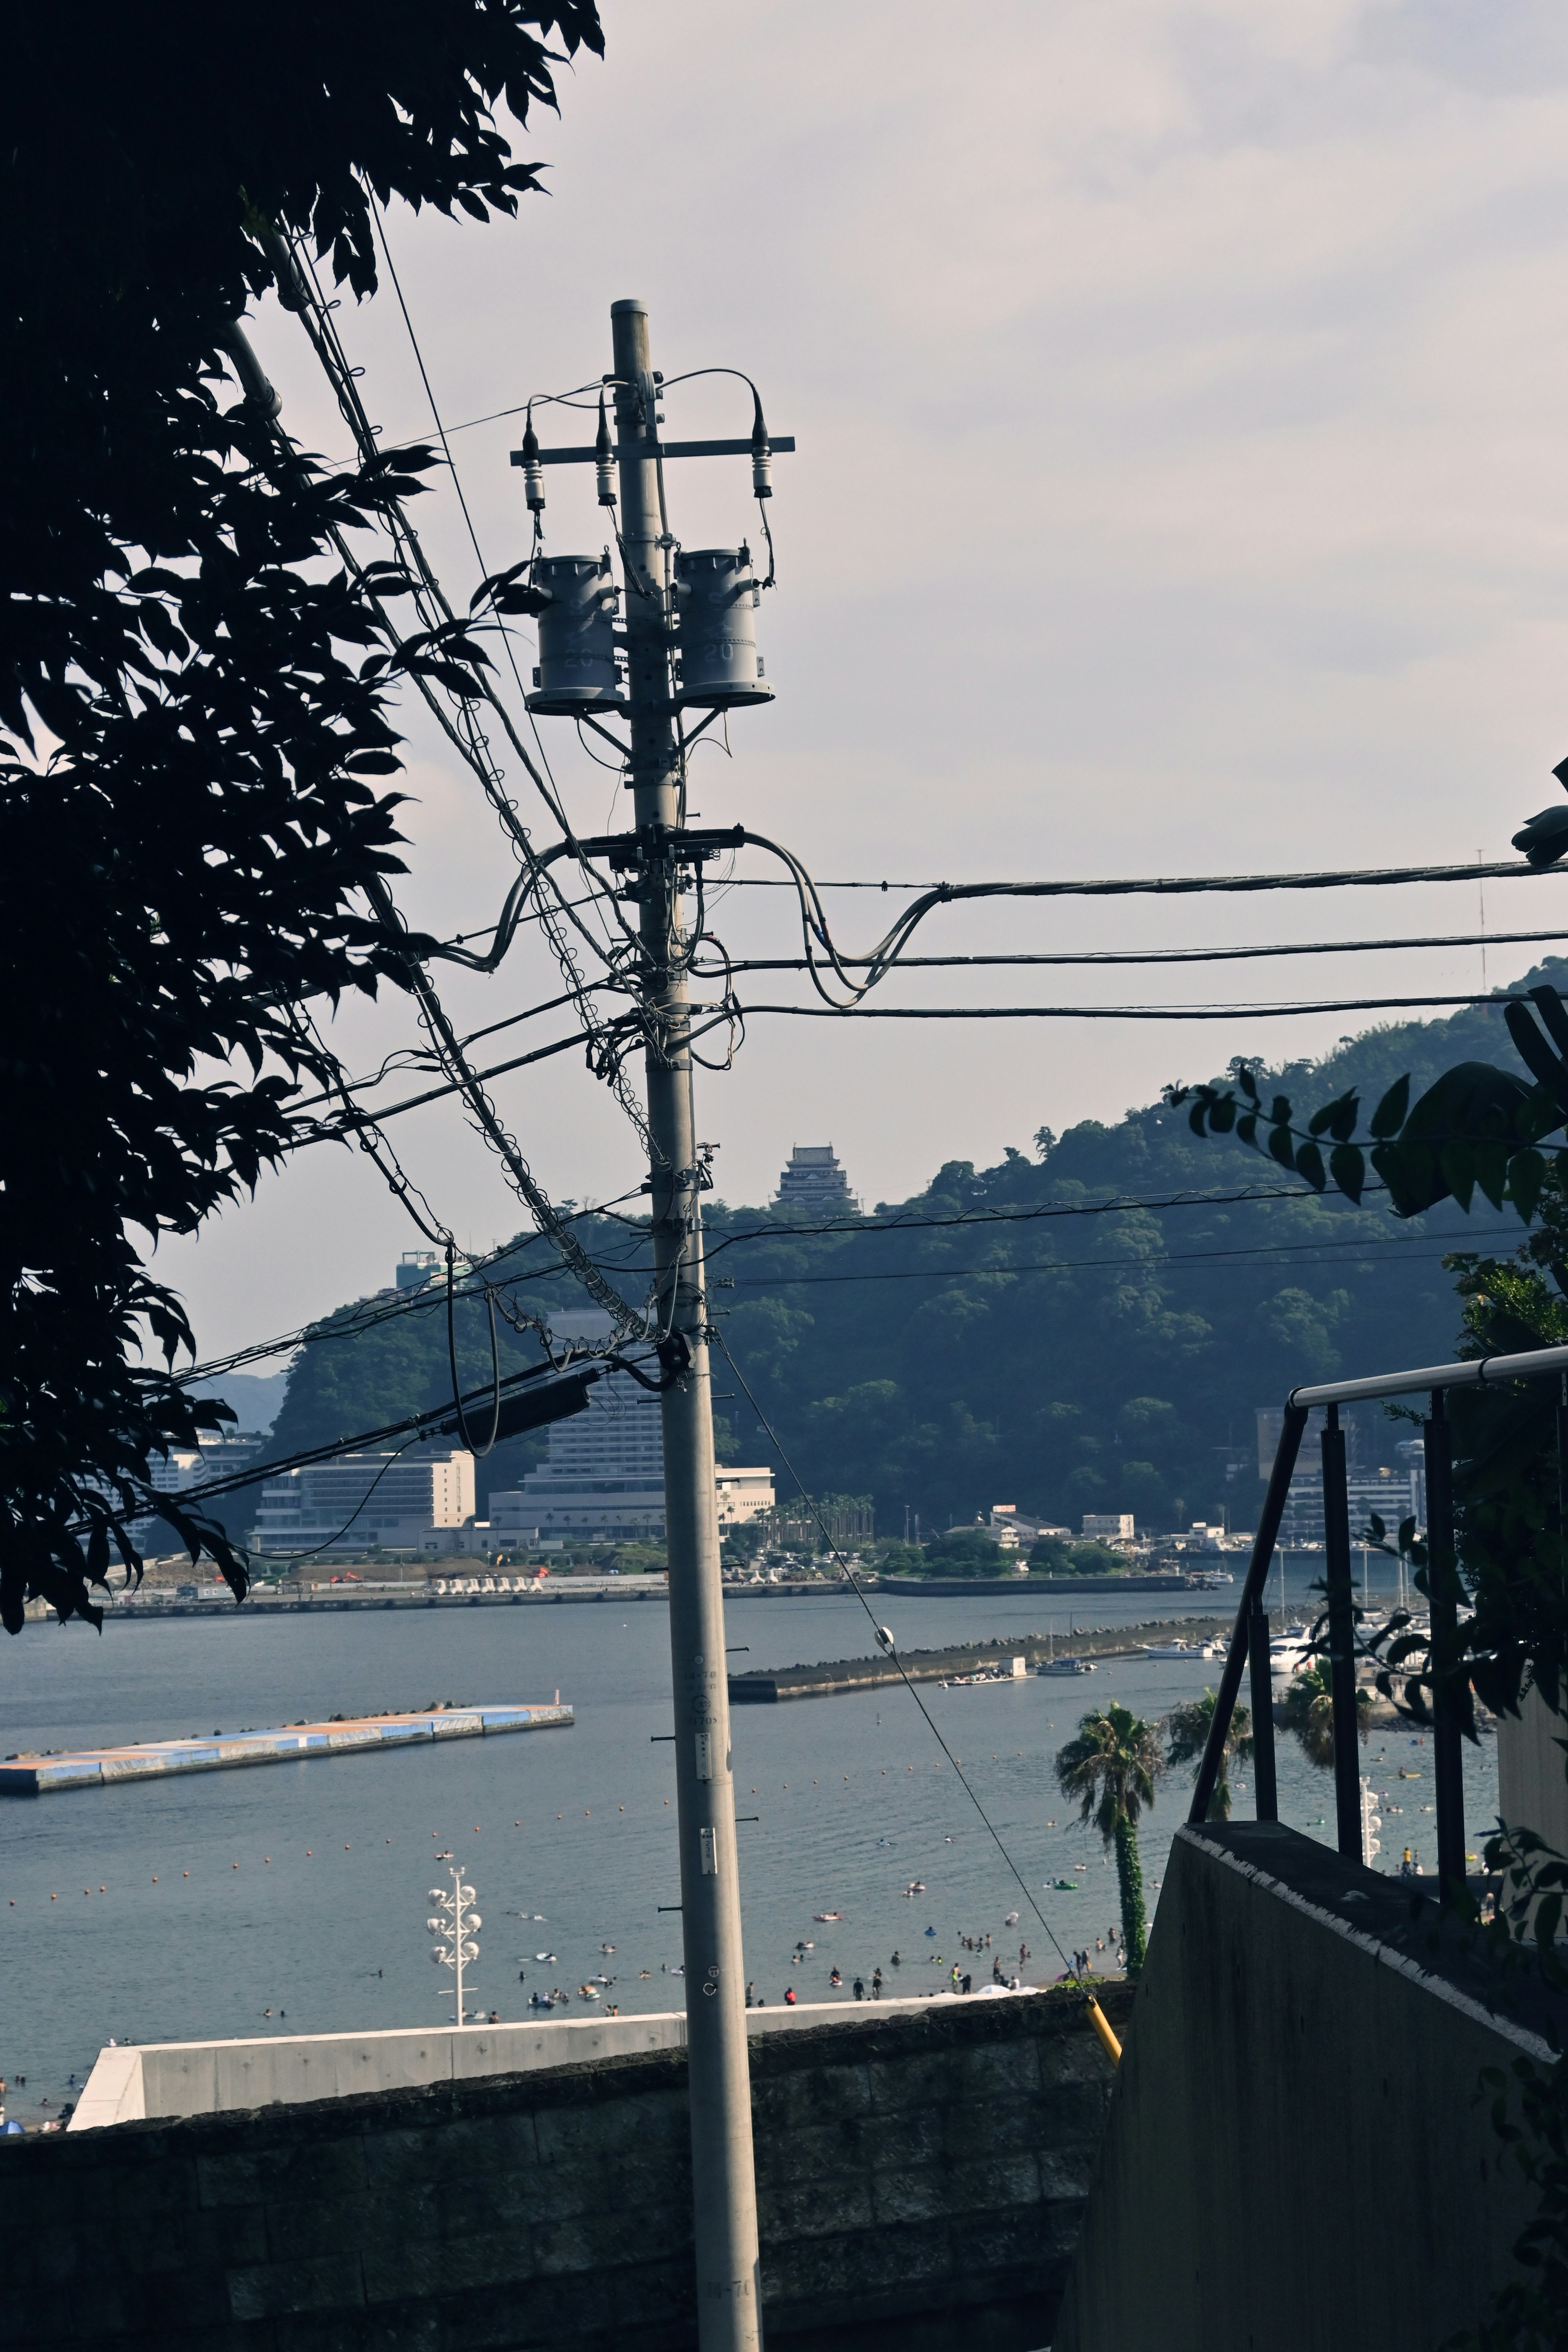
pixel 840 1674
pixel 86 1768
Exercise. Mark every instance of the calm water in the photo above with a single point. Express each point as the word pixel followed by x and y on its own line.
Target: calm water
pixel 168 1911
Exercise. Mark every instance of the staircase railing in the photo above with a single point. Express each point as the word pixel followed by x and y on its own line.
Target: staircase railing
pixel 1249 1641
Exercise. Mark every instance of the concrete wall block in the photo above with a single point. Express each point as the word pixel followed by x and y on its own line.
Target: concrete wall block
pixel 654 2181
pixel 610 2126
pixel 816 2208
pixel 399 2268
pixel 1065 2174
pixel 400 2158
pixel 282 2171
pixel 656 2305
pixel 999 2070
pixel 575 2310
pixel 1071 2114
pixel 815 2094
pixel 481 2148
pixel 1005 2244
pixel 616 2236
pixel 832 2275
pixel 272 2290
pixel 298 2231
pixel 936 2078
pixel 899 2142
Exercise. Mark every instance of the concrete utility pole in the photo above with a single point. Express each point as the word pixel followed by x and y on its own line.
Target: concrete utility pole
pixel 723 2180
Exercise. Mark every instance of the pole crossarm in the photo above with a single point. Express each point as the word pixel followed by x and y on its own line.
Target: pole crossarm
pixel 780 447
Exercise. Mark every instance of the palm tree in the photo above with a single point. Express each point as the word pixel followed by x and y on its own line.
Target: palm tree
pixel 1309 1712
pixel 1111 1766
pixel 1187 1735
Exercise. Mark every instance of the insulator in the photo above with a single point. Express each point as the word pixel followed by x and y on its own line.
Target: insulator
pixel 473 1923
pixel 603 460
pixel 762 456
pixel 533 471
pixel 576 640
pixel 717 593
pixel 436 1927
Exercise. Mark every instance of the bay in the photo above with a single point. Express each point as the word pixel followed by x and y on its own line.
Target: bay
pixel 163 1911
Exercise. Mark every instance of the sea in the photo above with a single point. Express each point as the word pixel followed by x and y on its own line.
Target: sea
pixel 293 1898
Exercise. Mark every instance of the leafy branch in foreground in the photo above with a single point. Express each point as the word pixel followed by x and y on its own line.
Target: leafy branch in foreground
pixel 194 729
pixel 1478 1127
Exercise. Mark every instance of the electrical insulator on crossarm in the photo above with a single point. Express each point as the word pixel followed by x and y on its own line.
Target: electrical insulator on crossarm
pixel 1371 1823
pixel 533 471
pixel 603 460
pixel 761 453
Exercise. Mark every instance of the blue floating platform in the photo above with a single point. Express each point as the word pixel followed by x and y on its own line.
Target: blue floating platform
pixel 157 1760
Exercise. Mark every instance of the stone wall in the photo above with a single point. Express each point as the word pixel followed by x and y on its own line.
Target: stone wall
pixel 920 2178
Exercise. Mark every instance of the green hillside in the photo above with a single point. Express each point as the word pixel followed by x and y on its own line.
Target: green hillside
pixel 1064 1362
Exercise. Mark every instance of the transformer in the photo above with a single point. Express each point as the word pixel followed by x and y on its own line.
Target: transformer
pixel 576 669
pixel 716 593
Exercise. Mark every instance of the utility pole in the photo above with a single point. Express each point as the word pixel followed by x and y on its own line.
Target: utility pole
pixel 699 602
pixel 723 2172
pixel 729 2294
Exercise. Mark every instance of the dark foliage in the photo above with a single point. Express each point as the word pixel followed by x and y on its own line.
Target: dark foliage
pixel 193 737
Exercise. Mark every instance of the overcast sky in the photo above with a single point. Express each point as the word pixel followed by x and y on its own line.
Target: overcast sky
pixel 1179 397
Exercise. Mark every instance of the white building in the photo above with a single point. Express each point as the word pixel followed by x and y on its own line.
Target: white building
pixel 1107 1526
pixel 184 1470
pixel 743 1494
pixel 357 1500
pixel 603 1481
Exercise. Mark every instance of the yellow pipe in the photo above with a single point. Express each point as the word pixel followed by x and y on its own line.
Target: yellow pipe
pixel 1101 2025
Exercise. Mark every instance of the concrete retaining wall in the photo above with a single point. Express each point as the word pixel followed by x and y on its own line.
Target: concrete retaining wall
pixel 922 2180
pixel 1295 2157
pixel 158 2081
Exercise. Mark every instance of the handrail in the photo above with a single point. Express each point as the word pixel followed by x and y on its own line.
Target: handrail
pixel 1251 1630
pixel 1480 1372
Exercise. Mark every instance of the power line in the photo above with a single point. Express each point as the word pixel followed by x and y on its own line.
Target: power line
pixel 1107 1012
pixel 1148 955
pixel 1277 1252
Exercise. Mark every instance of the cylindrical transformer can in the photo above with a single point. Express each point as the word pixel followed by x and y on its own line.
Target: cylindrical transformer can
pixel 576 636
pixel 716 593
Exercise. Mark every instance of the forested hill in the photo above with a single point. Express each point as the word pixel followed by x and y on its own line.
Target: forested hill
pixel 1009 1344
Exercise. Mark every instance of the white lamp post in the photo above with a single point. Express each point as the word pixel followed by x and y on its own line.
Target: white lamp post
pixel 455 1926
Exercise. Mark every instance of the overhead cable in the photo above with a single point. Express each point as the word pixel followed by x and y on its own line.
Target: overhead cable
pixel 1092 956
pixel 1110 1012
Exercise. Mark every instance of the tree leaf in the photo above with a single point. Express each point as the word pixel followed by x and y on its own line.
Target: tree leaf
pixel 1390 1115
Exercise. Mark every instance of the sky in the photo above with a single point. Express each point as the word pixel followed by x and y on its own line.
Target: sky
pixel 1179 392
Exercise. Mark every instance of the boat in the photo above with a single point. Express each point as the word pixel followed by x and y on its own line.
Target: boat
pixel 1191 1651
pixel 1065 1666
pixel 1065 1885
pixel 823 1916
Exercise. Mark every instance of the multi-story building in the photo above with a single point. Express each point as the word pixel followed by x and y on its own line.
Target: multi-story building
pixel 1394 1491
pixel 813 1180
pixel 603 1481
pixel 386 1500
pixel 184 1470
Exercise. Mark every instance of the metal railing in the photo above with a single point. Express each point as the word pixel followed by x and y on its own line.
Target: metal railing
pixel 1249 1641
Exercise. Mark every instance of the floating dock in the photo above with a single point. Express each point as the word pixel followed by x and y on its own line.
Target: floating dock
pixel 157 1760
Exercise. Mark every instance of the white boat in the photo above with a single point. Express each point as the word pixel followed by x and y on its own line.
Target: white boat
pixel 1194 1652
